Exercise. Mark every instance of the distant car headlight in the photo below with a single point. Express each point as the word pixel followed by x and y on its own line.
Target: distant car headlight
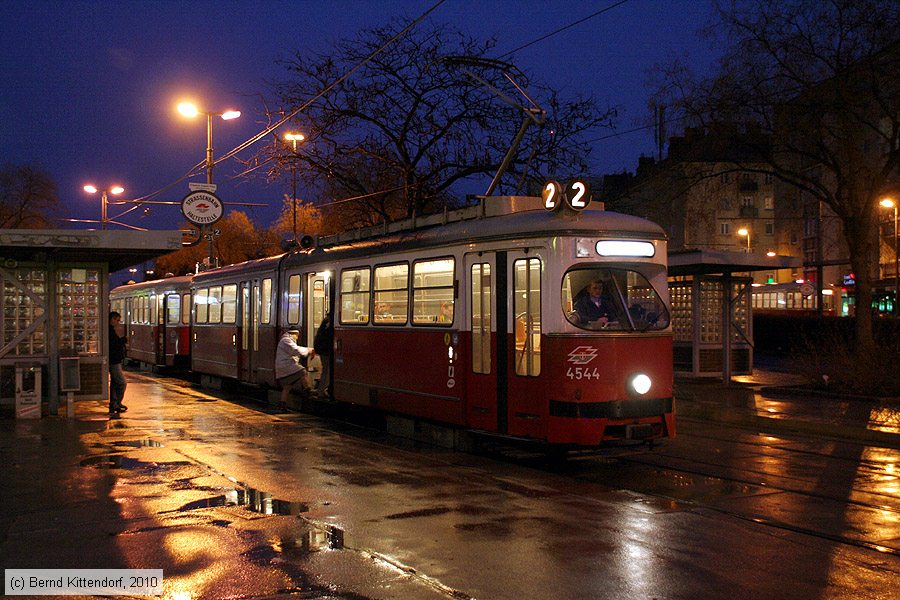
pixel 640 383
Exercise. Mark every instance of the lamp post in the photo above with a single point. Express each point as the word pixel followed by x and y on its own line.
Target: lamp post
pixel 190 110
pixel 115 190
pixel 294 138
pixel 745 232
pixel 891 203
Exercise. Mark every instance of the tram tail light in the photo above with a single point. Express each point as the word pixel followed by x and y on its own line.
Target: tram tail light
pixel 640 383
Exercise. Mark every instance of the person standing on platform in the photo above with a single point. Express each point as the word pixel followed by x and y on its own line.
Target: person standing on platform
pixel 117 383
pixel 322 344
pixel 288 370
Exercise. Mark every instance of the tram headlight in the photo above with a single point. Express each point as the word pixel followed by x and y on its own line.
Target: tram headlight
pixel 640 383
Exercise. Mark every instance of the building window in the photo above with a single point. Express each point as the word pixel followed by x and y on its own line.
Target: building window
pixel 769 203
pixel 747 202
pixel 770 228
pixel 725 204
pixel 724 228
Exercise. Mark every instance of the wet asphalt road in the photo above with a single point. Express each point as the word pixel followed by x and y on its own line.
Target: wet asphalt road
pixel 235 501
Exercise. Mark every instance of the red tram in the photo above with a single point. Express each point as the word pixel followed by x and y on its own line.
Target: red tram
pixel 157 320
pixel 474 323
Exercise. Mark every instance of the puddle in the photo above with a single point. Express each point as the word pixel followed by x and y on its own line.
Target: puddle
pixel 117 461
pixel 138 443
pixel 313 540
pixel 251 499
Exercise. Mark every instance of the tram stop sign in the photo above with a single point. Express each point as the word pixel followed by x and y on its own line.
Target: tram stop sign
pixel 201 208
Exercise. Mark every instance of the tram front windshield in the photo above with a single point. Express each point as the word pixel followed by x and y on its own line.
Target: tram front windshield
pixel 612 299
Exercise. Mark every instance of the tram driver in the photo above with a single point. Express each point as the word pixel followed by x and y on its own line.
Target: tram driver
pixel 593 308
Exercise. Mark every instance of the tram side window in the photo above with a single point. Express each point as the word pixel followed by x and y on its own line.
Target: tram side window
pixel 201 305
pixel 612 299
pixel 355 296
pixel 527 309
pixel 293 311
pixel 153 301
pixel 433 287
pixel 481 318
pixel 185 309
pixel 266 301
pixel 215 304
pixel 229 303
pixel 173 309
pixel 391 294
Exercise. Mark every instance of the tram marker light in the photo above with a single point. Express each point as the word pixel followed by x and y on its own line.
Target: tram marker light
pixel 625 248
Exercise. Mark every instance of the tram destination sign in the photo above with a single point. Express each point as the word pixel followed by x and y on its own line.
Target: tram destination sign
pixel 201 208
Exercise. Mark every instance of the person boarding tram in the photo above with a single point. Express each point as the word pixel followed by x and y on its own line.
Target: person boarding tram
pixel 288 370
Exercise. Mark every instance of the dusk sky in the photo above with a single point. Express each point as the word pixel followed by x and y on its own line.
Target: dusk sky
pixel 90 87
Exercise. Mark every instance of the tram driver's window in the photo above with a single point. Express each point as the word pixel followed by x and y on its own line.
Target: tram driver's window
pixel 355 296
pixel 609 299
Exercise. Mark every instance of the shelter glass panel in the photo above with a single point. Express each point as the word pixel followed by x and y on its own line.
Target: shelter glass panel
pixel 23 299
pixel 78 307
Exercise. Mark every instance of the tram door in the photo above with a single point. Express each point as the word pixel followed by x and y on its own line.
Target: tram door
pixel 319 294
pixel 249 332
pixel 158 326
pixel 505 322
pixel 486 382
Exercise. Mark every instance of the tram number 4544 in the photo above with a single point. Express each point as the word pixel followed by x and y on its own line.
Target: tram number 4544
pixel 583 373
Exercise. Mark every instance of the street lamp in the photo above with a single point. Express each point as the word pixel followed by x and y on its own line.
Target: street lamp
pixel 190 110
pixel 115 190
pixel 294 138
pixel 890 203
pixel 745 232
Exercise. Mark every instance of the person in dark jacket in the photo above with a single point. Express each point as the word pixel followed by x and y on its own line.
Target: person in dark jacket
pixel 117 383
pixel 322 344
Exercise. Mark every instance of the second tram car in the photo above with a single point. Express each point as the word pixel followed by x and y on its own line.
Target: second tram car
pixel 157 320
pixel 478 323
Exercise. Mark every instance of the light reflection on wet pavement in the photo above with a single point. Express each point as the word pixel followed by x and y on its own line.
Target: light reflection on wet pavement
pixel 236 501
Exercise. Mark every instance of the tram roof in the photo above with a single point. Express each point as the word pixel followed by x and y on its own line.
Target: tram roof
pixel 259 264
pixel 520 225
pixel 178 281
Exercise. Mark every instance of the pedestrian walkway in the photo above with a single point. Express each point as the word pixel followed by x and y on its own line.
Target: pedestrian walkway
pixel 774 400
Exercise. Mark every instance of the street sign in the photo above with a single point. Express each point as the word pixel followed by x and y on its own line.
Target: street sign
pixel 201 208
pixel 195 186
pixel 807 289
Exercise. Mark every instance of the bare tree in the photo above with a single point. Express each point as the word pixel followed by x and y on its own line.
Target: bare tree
pixel 415 122
pixel 28 198
pixel 823 78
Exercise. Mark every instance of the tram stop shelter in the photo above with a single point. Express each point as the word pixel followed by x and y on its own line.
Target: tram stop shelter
pixel 712 317
pixel 54 294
